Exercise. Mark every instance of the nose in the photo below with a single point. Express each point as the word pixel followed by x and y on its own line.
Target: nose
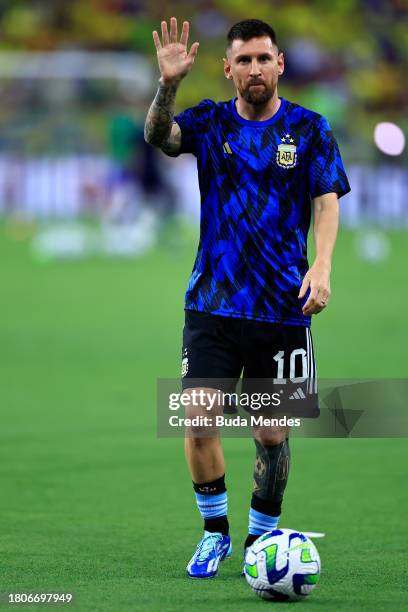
pixel 255 71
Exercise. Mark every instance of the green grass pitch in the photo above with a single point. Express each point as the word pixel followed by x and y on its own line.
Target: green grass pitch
pixel 92 502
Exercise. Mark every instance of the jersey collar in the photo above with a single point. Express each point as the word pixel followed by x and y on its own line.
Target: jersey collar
pixel 259 124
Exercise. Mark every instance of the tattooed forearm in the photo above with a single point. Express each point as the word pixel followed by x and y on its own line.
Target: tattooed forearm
pixel 159 129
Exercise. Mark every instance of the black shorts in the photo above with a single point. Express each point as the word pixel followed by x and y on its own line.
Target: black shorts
pixel 217 350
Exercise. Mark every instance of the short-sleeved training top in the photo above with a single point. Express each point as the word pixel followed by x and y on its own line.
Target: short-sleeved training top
pixel 257 180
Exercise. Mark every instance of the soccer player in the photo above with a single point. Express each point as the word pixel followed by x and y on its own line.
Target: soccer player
pixel 264 164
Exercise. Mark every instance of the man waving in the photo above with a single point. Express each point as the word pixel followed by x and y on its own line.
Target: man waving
pixel 264 164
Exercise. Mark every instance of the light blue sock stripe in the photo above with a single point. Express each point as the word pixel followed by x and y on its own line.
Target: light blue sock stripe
pixel 211 506
pixel 260 523
pixel 216 498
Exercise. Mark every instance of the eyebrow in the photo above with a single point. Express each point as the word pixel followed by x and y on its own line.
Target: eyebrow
pixel 246 56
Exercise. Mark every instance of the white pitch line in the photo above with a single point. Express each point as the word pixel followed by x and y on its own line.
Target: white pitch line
pixel 313 534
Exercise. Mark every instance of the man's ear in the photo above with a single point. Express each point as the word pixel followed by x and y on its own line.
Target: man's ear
pixel 281 64
pixel 227 68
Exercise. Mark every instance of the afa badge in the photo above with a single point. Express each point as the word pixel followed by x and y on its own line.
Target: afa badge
pixel 286 155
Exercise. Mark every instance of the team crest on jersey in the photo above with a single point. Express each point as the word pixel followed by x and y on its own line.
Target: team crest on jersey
pixel 286 156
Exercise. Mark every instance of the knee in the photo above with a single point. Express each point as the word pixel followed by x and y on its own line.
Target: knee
pixel 268 438
pixel 271 440
pixel 199 443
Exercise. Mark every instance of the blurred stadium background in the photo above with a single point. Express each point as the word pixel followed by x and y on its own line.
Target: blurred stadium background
pixel 97 237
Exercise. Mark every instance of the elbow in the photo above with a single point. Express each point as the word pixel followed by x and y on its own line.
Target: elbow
pixel 149 139
pixel 147 136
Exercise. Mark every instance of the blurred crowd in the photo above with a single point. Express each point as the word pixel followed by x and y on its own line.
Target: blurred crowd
pixel 345 58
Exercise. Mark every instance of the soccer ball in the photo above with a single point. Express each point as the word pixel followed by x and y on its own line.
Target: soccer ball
pixel 282 564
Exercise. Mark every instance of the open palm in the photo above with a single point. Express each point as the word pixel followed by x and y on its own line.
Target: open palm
pixel 174 61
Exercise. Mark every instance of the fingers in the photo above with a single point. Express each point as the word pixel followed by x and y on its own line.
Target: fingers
pixel 165 33
pixel 316 302
pixel 184 33
pixel 172 37
pixel 156 40
pixel 310 304
pixel 193 51
pixel 314 308
pixel 323 296
pixel 319 292
pixel 304 287
pixel 173 30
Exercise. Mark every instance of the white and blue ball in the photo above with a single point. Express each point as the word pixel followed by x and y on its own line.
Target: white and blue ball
pixel 282 564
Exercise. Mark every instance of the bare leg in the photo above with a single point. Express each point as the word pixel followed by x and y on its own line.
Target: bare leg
pixel 204 454
pixel 205 459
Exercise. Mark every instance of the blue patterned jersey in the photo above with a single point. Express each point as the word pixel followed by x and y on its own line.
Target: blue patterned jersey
pixel 257 179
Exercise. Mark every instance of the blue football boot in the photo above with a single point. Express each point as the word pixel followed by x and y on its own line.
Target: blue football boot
pixel 213 548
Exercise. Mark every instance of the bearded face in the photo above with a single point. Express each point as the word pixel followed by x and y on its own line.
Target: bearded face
pixel 257 94
pixel 255 66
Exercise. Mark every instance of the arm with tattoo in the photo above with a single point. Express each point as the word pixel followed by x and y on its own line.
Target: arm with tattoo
pixel 160 130
pixel 174 63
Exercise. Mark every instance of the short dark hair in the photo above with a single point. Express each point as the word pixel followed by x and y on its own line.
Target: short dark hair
pixel 250 28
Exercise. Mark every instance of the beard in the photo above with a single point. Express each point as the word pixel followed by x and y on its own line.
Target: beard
pixel 257 96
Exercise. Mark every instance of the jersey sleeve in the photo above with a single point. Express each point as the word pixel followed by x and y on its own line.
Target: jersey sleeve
pixel 326 170
pixel 193 124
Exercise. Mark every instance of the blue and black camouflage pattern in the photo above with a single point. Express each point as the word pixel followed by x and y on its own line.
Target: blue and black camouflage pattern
pixel 257 180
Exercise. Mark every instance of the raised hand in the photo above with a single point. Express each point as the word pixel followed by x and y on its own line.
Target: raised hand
pixel 174 61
